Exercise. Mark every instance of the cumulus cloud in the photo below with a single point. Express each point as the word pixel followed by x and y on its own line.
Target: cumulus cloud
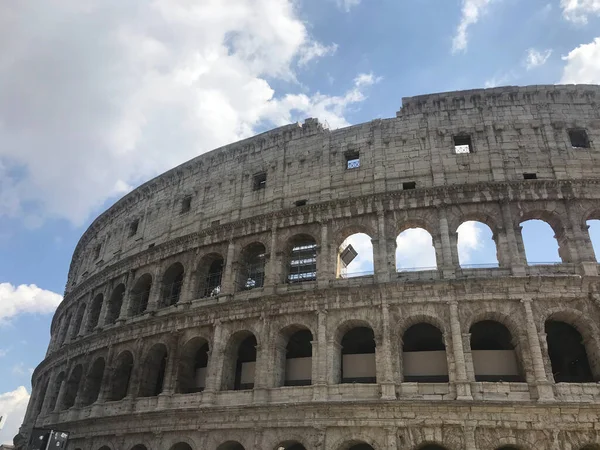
pixel 363 263
pixel 472 10
pixel 414 249
pixel 536 58
pixel 469 240
pixel 579 10
pixel 99 96
pixel 25 299
pixel 12 408
pixel 583 64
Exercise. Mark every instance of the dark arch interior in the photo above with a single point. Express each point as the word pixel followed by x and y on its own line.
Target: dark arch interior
pixel 567 353
pixel 298 371
pixel 432 447
pixel 361 447
pixel 55 391
pixel 63 331
pixel 290 446
pixel 303 260
pixel 140 295
pixel 172 283
pixel 72 387
pixel 104 448
pixel 139 447
pixel 507 447
pixel 211 273
pixel 252 267
pixel 181 446
pixel 358 356
pixel 115 303
pixel 244 368
pixel 424 355
pixel 192 366
pixel 231 445
pixel 93 382
pixel 153 375
pixel 121 376
pixel 95 312
pixel 494 357
pixel 78 320
pixel 40 400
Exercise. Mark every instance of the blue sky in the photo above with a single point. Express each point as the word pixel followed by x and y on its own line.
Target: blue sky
pixel 97 97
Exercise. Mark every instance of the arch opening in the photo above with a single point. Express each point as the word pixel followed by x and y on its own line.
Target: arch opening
pixel 494 355
pixel 432 447
pixel 476 245
pixel 172 284
pixel 251 273
pixel 114 304
pixel 358 356
pixel 95 309
pixel 539 243
pixel 507 447
pixel 594 233
pixel 355 256
pixel 211 274
pixel 153 372
pixel 139 447
pixel 139 296
pixel 40 400
pixel 181 446
pixel 60 379
pixel 93 382
pixel 424 355
pixel 567 352
pixel 72 388
pixel 298 359
pixel 192 366
pixel 121 378
pixel 63 331
pixel 245 364
pixel 231 445
pixel 290 445
pixel 415 251
pixel 78 320
pixel 302 265
pixel 361 446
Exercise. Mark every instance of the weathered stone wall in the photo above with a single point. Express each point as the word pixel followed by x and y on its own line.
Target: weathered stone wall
pixel 513 130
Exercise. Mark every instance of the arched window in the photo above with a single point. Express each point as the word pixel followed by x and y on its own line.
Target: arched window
pixel 594 233
pixel 139 447
pixel 172 283
pixel 64 329
pixel 93 382
pixel 72 388
pixel 252 267
pixel 239 362
pixel 290 445
pixel 361 446
pixel 78 319
pixel 494 356
pixel 424 355
pixel 121 376
pixel 210 272
pixel 40 399
pixel 298 359
pixel 115 303
pixel 192 366
pixel 231 445
pixel 60 379
pixel 540 244
pixel 95 309
pixel 415 251
pixel 476 245
pixel 358 356
pixel 567 353
pixel 104 447
pixel 153 371
pixel 507 447
pixel 432 447
pixel 181 446
pixel 355 256
pixel 140 294
pixel 302 256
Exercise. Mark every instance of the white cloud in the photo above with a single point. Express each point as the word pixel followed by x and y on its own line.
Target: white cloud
pixel 117 92
pixel 469 240
pixel 12 406
pixel 414 249
pixel 4 352
pixel 26 299
pixel 472 10
pixel 19 369
pixel 579 10
pixel 536 58
pixel 500 79
pixel 347 5
pixel 363 263
pixel 583 64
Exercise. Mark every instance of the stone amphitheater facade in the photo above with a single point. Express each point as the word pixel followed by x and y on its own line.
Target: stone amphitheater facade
pixel 205 309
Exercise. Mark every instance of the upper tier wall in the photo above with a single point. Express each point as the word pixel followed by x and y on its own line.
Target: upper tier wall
pixel 514 130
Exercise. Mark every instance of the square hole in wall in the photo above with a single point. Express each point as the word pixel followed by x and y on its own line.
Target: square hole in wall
pixel 579 138
pixel 133 227
pixel 97 251
pixel 409 185
pixel 352 159
pixel 530 176
pixel 300 202
pixel 259 181
pixel 186 204
pixel 463 144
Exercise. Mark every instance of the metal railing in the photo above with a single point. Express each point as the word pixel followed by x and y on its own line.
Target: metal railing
pixel 171 293
pixel 139 302
pixel 345 274
pixel 211 285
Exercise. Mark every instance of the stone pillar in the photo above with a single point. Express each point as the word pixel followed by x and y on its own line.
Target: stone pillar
pixel 447 263
pixel 155 290
pixel 228 283
pixel 172 365
pixel 273 269
pixel 385 376
pixel 319 361
pixel 61 391
pixel 105 386
pixel 470 437
pixel 126 298
pixel 579 238
pixel 391 440
pixel 543 387
pixel 463 388
pixel 215 365
pixel 326 258
pixel 513 238
pixel 381 263
pixel 265 359
pixel 46 399
pixel 104 310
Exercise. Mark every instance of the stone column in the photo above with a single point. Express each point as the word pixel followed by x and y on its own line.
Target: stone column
pixel 46 399
pixel 105 386
pixel 104 310
pixel 543 387
pixel 214 368
pixel 516 253
pixel 155 290
pixel 264 363
pixel 228 283
pixel 61 391
pixel 463 388
pixel 172 365
pixel 273 269
pixel 470 436
pixel 381 265
pixel 326 258
pixel 579 238
pixel 319 361
pixel 126 298
pixel 392 441
pixel 385 376
pixel 447 263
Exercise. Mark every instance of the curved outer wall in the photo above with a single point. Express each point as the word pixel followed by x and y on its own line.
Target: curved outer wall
pixel 514 130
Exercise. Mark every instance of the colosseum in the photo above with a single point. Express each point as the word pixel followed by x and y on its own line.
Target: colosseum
pixel 212 307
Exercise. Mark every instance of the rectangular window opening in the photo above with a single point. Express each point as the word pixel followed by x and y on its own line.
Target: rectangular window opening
pixel 97 251
pixel 530 176
pixel 133 227
pixel 463 144
pixel 300 202
pixel 352 159
pixel 579 138
pixel 186 205
pixel 259 181
pixel 409 185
